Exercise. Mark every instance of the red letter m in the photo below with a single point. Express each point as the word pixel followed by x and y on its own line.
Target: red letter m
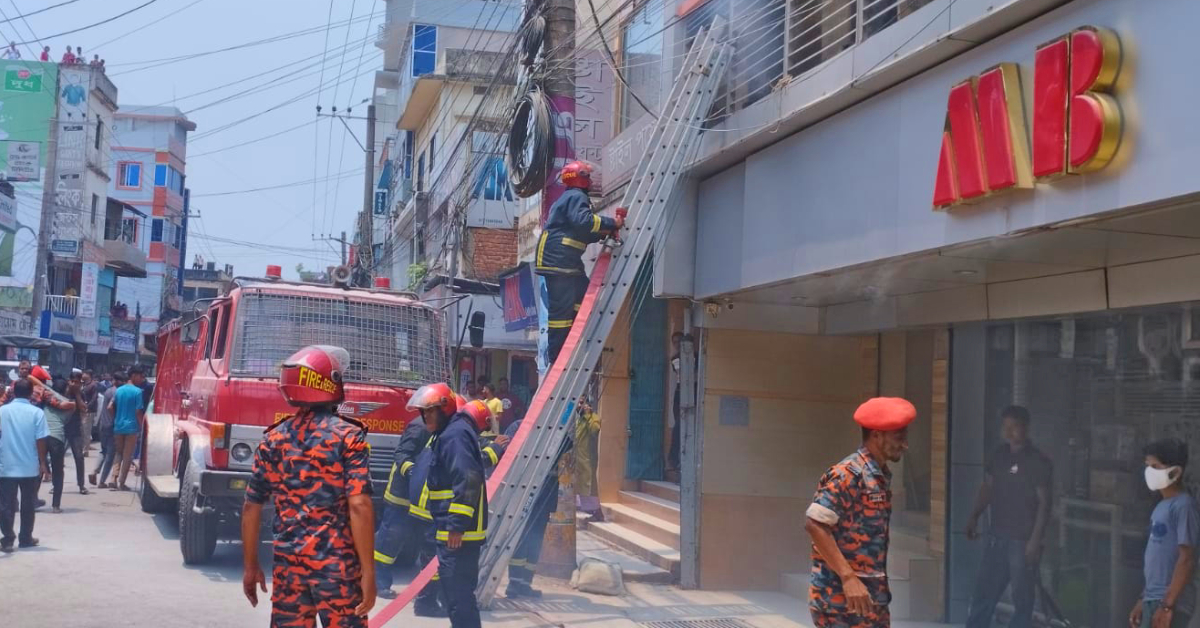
pixel 984 145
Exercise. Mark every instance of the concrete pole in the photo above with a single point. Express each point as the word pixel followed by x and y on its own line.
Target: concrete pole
pixel 558 553
pixel 367 223
pixel 45 227
pixel 690 456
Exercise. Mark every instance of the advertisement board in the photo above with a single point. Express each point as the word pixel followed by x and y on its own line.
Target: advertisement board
pixel 26 108
pixel 89 281
pixel 123 340
pixel 58 326
pixel 8 213
pixel 517 297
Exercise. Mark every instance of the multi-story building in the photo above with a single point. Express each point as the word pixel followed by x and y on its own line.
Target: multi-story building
pixel 203 280
pixel 908 198
pixel 148 173
pixel 449 220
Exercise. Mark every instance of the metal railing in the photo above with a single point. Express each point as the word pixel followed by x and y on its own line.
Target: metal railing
pixel 62 304
pixel 388 343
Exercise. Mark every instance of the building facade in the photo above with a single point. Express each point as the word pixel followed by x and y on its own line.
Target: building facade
pixel 900 198
pixel 148 173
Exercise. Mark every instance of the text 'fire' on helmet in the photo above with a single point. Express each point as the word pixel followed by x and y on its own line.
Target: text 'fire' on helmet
pixel 313 376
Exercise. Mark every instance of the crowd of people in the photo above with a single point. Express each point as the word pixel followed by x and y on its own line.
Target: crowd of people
pixel 70 57
pixel 42 417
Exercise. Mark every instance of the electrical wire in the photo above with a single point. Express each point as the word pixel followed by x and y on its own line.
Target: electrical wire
pixel 93 25
pixel 36 11
pixel 530 143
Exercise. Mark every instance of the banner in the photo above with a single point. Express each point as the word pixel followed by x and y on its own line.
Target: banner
pixel 123 340
pixel 102 346
pixel 517 298
pixel 8 213
pixel 89 281
pixel 87 330
pixel 26 107
pixel 58 326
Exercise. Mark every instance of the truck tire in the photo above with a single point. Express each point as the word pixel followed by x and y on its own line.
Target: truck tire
pixel 151 502
pixel 197 532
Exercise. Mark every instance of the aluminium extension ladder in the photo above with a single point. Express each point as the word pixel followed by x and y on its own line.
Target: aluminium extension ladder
pixel 542 437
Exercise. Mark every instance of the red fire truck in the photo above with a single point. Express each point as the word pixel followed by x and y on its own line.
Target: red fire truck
pixel 217 379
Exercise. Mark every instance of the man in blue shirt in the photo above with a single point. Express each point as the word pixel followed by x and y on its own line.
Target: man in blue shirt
pixel 23 434
pixel 1169 599
pixel 128 408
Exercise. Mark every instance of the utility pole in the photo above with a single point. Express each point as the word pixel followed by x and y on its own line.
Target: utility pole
pixel 45 226
pixel 560 88
pixel 558 556
pixel 367 222
pixel 343 241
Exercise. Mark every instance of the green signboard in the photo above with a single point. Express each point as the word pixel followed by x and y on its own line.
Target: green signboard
pixel 27 99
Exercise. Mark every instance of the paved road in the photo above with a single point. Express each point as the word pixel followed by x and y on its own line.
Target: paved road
pixel 104 563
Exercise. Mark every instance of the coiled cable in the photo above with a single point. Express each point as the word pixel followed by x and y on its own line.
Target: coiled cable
pixel 530 143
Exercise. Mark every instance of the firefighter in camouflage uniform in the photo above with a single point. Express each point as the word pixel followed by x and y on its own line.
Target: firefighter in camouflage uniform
pixel 313 465
pixel 848 522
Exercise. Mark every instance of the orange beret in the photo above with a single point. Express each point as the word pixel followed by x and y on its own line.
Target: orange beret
pixel 886 414
pixel 40 373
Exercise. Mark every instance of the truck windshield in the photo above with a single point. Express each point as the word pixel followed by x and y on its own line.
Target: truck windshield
pixel 388 343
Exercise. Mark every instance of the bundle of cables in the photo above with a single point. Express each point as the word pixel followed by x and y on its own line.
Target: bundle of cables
pixel 531 37
pixel 530 143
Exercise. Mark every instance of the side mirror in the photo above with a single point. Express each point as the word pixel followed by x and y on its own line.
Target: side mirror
pixel 478 319
pixel 191 331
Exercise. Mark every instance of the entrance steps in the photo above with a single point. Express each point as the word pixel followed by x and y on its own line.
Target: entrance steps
pixel 644 523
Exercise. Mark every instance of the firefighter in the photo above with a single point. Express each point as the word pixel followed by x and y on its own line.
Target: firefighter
pixel 491 445
pixel 396 531
pixel 455 498
pixel 570 227
pixel 314 466
pixel 529 549
pixel 848 522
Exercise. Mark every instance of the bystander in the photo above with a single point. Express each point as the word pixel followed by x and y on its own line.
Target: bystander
pixel 128 408
pixel 11 52
pixel 514 408
pixel 1169 597
pixel 89 391
pixel 487 393
pixel 108 448
pixel 58 409
pixel 45 56
pixel 23 436
pixel 68 57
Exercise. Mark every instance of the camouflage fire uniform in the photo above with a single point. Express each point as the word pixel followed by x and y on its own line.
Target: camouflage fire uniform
pixel 857 491
pixel 310 464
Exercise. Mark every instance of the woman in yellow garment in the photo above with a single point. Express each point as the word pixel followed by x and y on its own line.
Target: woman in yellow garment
pixel 587 432
pixel 495 405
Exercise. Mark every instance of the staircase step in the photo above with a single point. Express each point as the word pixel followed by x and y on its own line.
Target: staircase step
pixel 661 530
pixel 633 569
pixel 795 584
pixel 656 506
pixel 641 546
pixel 661 490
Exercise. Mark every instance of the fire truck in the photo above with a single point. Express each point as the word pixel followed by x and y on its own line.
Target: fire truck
pixel 217 388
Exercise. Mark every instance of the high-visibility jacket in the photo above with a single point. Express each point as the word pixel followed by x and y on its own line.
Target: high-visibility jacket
pixel 492 452
pixel 453 495
pixel 570 227
pixel 412 441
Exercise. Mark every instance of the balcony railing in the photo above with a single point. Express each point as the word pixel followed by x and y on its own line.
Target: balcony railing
pixel 62 304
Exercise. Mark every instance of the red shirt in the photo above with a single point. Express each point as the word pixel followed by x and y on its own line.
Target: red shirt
pixel 68 58
pixel 45 56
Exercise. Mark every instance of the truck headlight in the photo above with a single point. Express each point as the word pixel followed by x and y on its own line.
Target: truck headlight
pixel 241 452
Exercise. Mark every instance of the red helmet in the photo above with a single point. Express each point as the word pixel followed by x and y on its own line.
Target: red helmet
pixel 577 174
pixel 313 376
pixel 478 411
pixel 436 395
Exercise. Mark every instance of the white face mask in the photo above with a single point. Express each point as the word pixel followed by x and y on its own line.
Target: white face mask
pixel 675 365
pixel 1158 479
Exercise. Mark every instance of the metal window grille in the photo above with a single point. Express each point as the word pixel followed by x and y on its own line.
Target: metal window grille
pixel 395 344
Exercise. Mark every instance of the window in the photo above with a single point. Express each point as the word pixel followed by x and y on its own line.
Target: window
pixel 99 130
pixel 95 207
pixel 167 176
pixel 214 321
pixel 641 61
pixel 223 333
pixel 156 230
pixel 421 173
pixel 160 175
pixel 432 151
pixel 409 138
pixel 424 49
pixel 129 175
pixel 129 229
pixel 178 237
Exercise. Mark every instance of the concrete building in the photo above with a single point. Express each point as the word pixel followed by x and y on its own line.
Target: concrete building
pixel 448 224
pixel 205 281
pixel 845 237
pixel 148 173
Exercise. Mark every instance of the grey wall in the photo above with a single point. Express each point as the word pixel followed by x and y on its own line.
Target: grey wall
pixel 858 186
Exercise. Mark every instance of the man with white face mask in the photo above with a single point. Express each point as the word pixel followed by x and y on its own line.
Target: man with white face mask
pixel 1169 599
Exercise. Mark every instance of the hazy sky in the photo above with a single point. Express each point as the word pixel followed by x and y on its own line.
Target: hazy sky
pixel 283 217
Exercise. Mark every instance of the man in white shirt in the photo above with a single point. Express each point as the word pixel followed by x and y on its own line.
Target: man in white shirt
pixel 11 52
pixel 23 435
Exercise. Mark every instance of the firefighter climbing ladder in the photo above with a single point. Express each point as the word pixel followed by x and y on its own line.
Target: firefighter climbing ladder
pixel 535 449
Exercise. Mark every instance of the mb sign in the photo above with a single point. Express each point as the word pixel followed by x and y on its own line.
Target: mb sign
pixel 1076 120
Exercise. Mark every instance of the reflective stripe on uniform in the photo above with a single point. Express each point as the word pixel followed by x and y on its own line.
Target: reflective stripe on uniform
pixel 392 499
pixel 408 464
pixel 560 324
pixel 571 242
pixel 380 557
pixel 541 248
pixel 596 223
pixel 462 509
pixel 491 454
pixel 421 513
pixel 441 495
pixel 518 562
pixel 443 535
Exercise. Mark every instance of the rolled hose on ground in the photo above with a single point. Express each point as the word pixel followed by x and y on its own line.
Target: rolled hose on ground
pixel 527 172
